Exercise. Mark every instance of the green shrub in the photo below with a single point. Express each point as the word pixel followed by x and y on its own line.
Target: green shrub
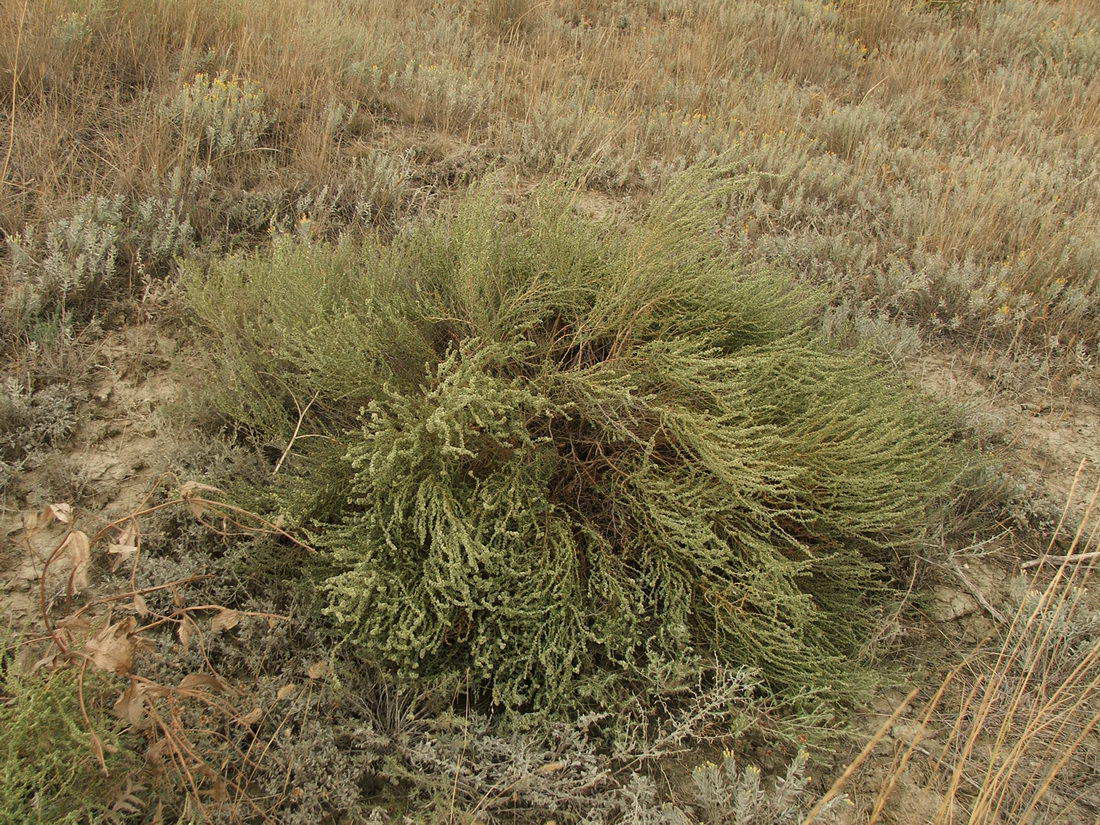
pixel 49 773
pixel 562 456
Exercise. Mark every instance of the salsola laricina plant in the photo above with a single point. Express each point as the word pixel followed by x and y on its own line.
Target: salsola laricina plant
pixel 558 455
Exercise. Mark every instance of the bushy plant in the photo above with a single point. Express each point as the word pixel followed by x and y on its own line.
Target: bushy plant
pixel 218 114
pixel 49 772
pixel 31 419
pixel 720 793
pixel 79 262
pixel 560 457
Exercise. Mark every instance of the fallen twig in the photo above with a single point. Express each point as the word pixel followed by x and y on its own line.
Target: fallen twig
pixel 1072 558
pixel 997 615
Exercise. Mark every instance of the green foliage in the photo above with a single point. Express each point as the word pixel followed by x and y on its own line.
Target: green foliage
pixel 49 774
pixel 562 458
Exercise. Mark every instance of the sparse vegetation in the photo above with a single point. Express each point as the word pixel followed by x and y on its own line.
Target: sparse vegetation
pixel 1032 688
pixel 31 421
pixel 934 162
pixel 649 465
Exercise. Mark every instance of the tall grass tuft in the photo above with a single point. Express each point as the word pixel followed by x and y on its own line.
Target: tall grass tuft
pixel 1009 735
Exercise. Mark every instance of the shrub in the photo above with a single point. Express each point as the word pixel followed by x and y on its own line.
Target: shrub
pixel 565 457
pixel 49 773
pixel 79 256
pixel 85 260
pixel 218 114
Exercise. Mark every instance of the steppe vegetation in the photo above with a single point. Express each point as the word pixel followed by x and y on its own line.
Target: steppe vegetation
pixel 642 411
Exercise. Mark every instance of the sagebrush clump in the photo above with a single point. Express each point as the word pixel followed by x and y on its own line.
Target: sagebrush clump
pixel 559 456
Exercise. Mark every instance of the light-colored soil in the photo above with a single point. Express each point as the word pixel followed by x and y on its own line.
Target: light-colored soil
pixel 1046 440
pixel 119 450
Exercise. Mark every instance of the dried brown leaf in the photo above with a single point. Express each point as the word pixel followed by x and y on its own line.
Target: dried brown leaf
pixel 33 522
pixel 77 550
pixel 190 490
pixel 252 717
pixel 62 512
pixel 200 681
pixel 286 691
pixel 225 619
pixel 130 706
pixel 74 623
pixel 155 752
pixel 112 648
pixel 120 553
pixel 129 534
pixel 185 631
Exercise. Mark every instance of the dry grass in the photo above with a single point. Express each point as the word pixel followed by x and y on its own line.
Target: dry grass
pixel 1010 735
pixel 937 164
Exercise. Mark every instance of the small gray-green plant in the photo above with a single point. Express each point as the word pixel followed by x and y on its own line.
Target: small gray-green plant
pixel 76 258
pixel 720 793
pixel 29 421
pixel 80 261
pixel 218 114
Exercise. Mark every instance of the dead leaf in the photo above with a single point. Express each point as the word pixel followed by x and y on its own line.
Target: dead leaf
pixel 112 648
pixel 185 631
pixel 77 551
pixel 317 670
pixel 225 619
pixel 129 534
pixel 218 790
pixel 120 553
pixel 48 662
pixel 140 607
pixel 198 681
pixel 252 717
pixel 33 522
pixel 74 623
pixel 286 691
pixel 189 492
pixel 130 706
pixel 155 752
pixel 97 749
pixel 127 798
pixel 62 512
